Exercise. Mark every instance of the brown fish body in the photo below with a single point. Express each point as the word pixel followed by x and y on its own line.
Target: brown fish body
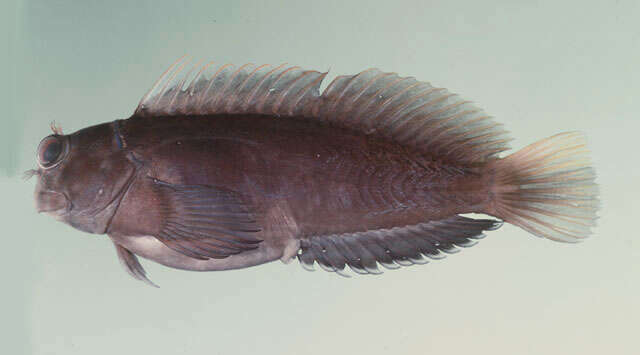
pixel 251 165
pixel 301 178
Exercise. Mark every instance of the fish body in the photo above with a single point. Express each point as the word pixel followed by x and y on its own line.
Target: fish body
pixel 301 179
pixel 250 165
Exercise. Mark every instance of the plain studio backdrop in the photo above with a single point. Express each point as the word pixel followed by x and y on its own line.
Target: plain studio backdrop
pixel 539 67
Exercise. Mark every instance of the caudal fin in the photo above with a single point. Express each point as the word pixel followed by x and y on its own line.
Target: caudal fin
pixel 548 188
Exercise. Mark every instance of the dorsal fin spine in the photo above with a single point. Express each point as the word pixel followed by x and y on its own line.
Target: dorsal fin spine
pixel 395 119
pixel 286 91
pixel 439 124
pixel 232 101
pixel 355 98
pixel 442 127
pixel 260 105
pixel 350 118
pixel 427 121
pixel 304 90
pixel 203 97
pixel 365 87
pixel 357 119
pixel 155 85
pixel 444 130
pixel 259 84
pixel 182 82
pixel 193 83
pixel 456 144
pixel 470 140
pixel 166 84
pixel 402 122
pixel 495 150
pixel 221 94
pixel 383 107
pixel 384 119
pixel 332 85
pixel 414 114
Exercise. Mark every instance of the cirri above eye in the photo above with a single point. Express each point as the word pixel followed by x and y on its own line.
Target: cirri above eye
pixel 50 151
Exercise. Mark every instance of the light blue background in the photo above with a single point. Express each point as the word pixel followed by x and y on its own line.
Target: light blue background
pixel 540 67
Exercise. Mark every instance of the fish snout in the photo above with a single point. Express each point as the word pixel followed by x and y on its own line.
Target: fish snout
pixel 52 202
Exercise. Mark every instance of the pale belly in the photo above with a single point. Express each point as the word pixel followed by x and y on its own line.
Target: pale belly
pixel 278 237
pixel 150 248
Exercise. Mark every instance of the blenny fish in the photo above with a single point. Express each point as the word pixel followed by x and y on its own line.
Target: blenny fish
pixel 223 167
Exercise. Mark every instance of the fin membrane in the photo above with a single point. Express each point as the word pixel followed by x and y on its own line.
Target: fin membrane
pixel 392 248
pixel 131 264
pixel 206 89
pixel 548 188
pixel 413 113
pixel 204 222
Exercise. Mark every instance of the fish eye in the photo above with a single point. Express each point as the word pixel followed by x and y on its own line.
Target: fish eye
pixel 50 151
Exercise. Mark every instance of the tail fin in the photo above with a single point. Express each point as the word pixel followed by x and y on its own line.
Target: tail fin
pixel 548 189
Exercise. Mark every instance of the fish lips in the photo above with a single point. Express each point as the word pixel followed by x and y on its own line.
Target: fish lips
pixel 52 202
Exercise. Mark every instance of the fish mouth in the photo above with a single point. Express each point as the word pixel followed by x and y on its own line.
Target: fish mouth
pixel 52 202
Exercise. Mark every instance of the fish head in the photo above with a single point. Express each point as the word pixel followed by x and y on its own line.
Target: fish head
pixel 83 176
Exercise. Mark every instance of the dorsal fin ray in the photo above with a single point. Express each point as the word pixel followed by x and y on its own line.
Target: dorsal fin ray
pixel 210 88
pixel 413 113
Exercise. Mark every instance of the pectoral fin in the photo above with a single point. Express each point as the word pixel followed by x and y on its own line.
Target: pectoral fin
pixel 205 222
pixel 130 263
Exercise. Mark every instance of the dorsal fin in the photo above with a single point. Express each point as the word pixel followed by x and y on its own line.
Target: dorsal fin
pixel 211 88
pixel 410 112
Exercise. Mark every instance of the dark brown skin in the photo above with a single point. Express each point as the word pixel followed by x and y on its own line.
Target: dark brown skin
pixel 301 179
pixel 331 179
pixel 372 173
pixel 99 172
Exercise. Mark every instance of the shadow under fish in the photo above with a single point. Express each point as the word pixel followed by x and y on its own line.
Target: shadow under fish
pixel 224 167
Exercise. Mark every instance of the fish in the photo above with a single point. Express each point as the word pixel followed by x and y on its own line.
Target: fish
pixel 225 167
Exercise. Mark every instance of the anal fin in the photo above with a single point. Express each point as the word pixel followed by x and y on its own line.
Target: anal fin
pixel 392 248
